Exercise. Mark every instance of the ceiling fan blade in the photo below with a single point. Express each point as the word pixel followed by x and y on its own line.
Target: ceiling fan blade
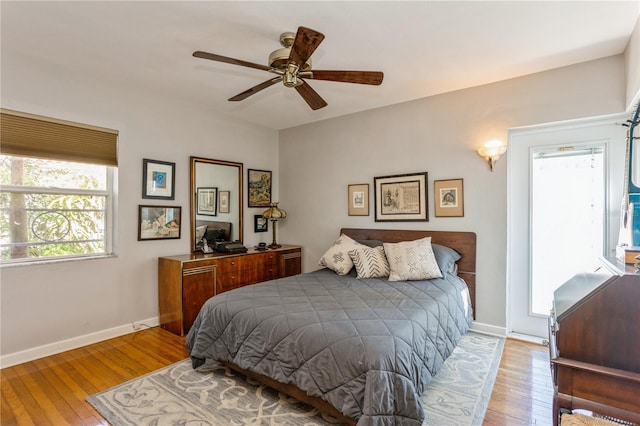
pixel 305 43
pixel 360 77
pixel 311 96
pixel 219 58
pixel 255 89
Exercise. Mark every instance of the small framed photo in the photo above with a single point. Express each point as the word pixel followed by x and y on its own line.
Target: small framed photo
pixel 207 201
pixel 259 185
pixel 223 201
pixel 260 224
pixel 359 199
pixel 449 198
pixel 159 222
pixel 401 198
pixel 158 179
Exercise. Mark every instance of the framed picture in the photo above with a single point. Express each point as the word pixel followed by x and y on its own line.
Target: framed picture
pixel 449 198
pixel 260 224
pixel 159 222
pixel 259 183
pixel 401 198
pixel 207 201
pixel 359 199
pixel 158 179
pixel 223 202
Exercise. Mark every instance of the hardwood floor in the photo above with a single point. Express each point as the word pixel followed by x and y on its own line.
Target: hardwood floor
pixel 52 390
pixel 523 391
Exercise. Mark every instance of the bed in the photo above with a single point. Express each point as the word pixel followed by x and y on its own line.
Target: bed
pixel 361 349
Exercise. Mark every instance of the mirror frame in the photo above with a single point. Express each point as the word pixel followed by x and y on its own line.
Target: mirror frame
pixel 192 201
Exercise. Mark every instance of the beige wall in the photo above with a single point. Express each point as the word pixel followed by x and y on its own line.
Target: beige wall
pixel 438 135
pixel 46 304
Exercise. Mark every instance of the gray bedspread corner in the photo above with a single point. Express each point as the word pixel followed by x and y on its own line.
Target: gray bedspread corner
pixel 368 347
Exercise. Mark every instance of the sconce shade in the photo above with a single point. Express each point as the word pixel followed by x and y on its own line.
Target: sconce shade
pixel 491 152
pixel 274 213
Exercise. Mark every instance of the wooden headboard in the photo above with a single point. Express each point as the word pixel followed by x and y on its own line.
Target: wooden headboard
pixel 463 242
pixel 225 226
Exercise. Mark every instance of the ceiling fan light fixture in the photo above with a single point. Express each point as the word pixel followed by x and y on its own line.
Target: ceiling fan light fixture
pixel 290 78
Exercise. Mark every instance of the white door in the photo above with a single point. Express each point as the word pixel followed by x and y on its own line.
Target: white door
pixel 565 189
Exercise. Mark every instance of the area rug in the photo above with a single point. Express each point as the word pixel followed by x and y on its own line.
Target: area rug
pixel 214 395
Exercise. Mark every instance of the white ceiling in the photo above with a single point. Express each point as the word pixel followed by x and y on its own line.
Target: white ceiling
pixel 423 47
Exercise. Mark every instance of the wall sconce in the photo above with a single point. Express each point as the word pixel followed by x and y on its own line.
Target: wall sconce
pixel 274 213
pixel 491 151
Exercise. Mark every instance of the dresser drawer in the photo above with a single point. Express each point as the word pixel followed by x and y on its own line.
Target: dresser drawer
pixel 240 271
pixel 239 263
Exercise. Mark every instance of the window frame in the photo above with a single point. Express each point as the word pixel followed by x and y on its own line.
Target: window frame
pixel 109 210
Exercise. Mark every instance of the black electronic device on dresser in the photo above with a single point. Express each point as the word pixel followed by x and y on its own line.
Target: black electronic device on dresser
pixel 594 342
pixel 230 247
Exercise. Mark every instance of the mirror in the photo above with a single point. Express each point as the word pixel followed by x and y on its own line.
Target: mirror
pixel 216 201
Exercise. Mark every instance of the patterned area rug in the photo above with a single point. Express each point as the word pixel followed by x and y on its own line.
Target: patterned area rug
pixel 213 395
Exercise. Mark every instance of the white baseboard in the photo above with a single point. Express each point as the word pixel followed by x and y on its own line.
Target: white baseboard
pixel 528 338
pixel 492 330
pixel 75 342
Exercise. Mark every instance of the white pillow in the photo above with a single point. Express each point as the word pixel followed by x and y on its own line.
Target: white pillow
pixel 200 230
pixel 412 260
pixel 370 262
pixel 337 257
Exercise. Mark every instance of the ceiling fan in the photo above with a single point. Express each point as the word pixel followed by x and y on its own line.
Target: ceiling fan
pixel 292 65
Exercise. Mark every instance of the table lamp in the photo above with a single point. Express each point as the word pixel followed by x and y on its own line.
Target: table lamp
pixel 274 213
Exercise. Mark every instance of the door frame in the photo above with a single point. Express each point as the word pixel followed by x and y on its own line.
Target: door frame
pixel 521 141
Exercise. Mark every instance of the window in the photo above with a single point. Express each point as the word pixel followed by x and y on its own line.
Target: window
pixel 568 221
pixel 56 195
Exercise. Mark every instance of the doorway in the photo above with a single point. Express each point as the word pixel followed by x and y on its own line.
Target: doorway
pixel 564 192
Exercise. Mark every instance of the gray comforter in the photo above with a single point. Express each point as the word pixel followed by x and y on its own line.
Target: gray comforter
pixel 368 347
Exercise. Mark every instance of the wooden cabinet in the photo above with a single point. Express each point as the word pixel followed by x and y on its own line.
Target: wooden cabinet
pixel 289 262
pixel 594 342
pixel 186 282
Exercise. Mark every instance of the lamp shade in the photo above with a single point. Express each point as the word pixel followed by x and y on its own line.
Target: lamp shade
pixel 274 212
pixel 492 151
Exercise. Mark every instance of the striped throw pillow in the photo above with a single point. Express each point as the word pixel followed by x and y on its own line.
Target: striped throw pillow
pixel 370 262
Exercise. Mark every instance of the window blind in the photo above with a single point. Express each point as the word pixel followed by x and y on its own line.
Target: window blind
pixel 42 137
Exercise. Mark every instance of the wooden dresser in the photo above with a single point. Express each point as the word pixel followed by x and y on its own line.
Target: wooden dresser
pixel 185 282
pixel 594 342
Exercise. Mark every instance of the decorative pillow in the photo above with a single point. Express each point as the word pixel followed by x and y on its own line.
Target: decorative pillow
pixel 412 260
pixel 370 262
pixel 337 257
pixel 446 257
pixel 200 230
